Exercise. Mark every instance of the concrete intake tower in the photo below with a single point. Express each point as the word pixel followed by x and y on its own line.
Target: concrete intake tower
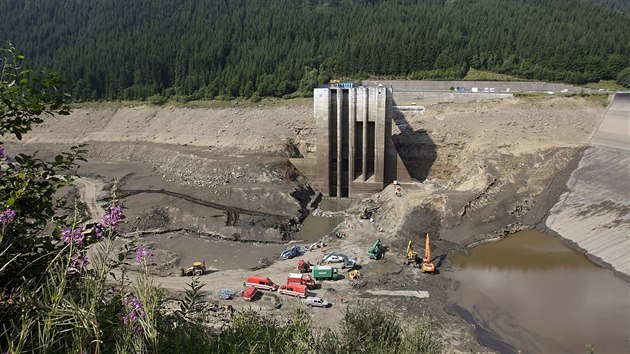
pixel 355 153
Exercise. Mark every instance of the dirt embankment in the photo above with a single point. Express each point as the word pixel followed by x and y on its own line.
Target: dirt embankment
pixel 486 169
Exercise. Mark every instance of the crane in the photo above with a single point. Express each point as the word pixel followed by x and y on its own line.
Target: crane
pixel 427 266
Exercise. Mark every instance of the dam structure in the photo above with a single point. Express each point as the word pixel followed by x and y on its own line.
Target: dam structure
pixel 355 153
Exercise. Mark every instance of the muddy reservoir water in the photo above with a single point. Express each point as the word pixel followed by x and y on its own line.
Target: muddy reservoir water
pixel 315 227
pixel 539 296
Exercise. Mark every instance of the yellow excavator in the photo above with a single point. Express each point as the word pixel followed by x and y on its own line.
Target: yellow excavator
pixel 412 257
pixel 427 266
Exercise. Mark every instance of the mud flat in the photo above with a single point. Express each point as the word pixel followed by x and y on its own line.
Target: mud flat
pixel 595 210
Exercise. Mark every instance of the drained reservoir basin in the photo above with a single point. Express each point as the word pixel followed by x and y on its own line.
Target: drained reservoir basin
pixel 530 292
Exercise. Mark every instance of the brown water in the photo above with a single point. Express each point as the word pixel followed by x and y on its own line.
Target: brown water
pixel 540 296
pixel 315 227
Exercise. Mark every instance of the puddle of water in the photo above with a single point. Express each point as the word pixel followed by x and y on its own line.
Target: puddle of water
pixel 540 296
pixel 315 227
pixel 336 204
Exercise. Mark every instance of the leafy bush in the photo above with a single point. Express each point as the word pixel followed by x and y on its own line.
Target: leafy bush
pixel 371 329
pixel 623 78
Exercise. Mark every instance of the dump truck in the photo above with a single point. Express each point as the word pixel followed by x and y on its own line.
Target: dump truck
pixel 376 251
pixel 304 279
pixel 197 269
pixel 324 272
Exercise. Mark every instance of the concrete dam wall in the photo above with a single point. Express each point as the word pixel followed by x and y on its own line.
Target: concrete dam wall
pixel 595 211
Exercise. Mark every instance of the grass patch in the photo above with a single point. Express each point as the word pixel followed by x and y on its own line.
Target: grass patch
pixel 107 104
pixel 479 75
pixel 605 85
pixel 600 98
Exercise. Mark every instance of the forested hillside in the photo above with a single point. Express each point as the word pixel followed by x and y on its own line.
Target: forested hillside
pixel 121 49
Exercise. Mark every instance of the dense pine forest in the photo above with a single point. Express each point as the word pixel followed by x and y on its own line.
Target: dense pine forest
pixel 143 49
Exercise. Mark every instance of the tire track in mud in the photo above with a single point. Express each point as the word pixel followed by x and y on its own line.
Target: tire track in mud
pixel 88 189
pixel 232 211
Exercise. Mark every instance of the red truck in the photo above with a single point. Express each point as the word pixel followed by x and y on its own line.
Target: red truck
pixel 261 283
pixel 293 289
pixel 304 279
pixel 304 266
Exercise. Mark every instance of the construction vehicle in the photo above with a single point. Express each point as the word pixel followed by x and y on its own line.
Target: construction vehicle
pixel 304 266
pixel 412 257
pixel 427 266
pixel 325 272
pixel 197 269
pixel 365 215
pixel 304 279
pixel 354 274
pixel 377 250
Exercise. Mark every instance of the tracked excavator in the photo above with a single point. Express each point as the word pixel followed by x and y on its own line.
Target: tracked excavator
pixel 376 252
pixel 412 257
pixel 427 266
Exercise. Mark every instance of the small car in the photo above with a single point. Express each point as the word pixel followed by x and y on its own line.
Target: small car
pixel 313 301
pixel 250 294
pixel 225 294
pixel 336 257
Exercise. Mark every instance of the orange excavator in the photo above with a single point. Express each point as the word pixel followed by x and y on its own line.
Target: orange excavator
pixel 427 266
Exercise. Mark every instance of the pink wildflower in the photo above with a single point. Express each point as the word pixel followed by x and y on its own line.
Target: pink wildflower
pixel 72 236
pixel 142 255
pixel 7 216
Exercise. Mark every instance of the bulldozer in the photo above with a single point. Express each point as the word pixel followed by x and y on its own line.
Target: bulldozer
pixel 197 269
pixel 427 266
pixel 411 257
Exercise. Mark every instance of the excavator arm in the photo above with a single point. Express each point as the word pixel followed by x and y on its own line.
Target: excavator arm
pixel 427 266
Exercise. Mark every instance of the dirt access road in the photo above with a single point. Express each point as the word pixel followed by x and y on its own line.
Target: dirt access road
pixel 485 169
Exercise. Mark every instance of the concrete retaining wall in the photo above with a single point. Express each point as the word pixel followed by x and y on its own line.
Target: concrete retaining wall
pixel 405 98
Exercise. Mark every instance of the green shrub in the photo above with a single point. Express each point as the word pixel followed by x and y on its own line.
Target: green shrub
pixel 157 99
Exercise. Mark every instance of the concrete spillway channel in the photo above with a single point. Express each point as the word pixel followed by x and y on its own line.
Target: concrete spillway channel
pixel 594 212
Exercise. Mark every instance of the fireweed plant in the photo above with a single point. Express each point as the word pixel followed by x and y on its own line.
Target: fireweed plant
pixel 58 293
